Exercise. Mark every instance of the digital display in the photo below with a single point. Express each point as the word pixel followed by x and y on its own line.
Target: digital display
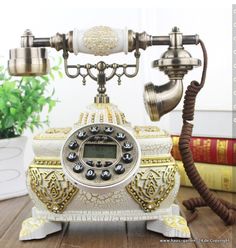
pixel 99 151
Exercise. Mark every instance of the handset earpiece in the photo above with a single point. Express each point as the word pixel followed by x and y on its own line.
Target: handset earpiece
pixel 175 63
pixel 28 60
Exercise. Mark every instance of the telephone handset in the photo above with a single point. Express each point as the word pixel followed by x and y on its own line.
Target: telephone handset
pixel 100 157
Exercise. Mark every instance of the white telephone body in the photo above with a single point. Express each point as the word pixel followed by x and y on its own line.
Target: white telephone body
pixel 102 168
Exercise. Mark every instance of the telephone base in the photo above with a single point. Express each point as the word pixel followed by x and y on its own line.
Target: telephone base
pixel 38 228
pixel 165 221
pixel 170 226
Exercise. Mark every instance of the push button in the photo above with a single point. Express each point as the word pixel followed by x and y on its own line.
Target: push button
pixel 127 146
pixel 99 164
pixel 120 136
pixel 108 130
pixel 119 169
pixel 72 156
pixel 81 135
pixel 90 174
pixel 90 163
pixel 127 158
pixel 78 167
pixel 94 129
pixel 73 145
pixel 107 163
pixel 106 175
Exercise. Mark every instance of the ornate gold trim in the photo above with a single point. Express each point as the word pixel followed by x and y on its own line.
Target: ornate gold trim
pixel 46 162
pixel 53 134
pixel 157 161
pixel 51 187
pixel 148 132
pixel 150 187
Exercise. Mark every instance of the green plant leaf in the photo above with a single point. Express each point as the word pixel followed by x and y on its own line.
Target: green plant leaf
pixel 52 76
pixel 13 111
pixel 60 74
pixel 51 105
pixel 23 99
pixel 29 110
pixel 9 121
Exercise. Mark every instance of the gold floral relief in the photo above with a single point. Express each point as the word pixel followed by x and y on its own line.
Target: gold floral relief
pixel 152 186
pixel 51 187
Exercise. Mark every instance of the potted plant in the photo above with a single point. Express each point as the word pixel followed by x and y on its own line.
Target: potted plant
pixel 22 100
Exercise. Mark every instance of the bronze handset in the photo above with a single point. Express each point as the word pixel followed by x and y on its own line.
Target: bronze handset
pixel 107 156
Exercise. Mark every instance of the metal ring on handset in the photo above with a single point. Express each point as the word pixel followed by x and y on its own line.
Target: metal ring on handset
pixel 100 157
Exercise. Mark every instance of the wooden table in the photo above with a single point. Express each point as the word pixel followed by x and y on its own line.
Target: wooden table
pixel 206 230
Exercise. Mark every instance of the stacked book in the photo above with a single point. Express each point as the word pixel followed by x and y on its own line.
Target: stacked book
pixel 215 160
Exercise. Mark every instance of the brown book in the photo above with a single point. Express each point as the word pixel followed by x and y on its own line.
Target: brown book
pixel 209 150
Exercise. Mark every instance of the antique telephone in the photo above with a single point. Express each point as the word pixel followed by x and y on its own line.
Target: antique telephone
pixel 103 169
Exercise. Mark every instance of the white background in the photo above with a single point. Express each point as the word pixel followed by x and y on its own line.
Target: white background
pixel 213 24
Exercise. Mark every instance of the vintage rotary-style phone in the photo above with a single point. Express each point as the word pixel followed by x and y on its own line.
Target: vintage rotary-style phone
pixel 102 168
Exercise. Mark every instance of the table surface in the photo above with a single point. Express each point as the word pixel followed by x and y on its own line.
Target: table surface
pixel 207 230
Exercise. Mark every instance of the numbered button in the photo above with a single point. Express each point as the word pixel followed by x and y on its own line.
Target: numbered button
pixel 73 145
pixel 90 174
pixel 78 167
pixel 127 146
pixel 81 135
pixel 127 158
pixel 106 175
pixel 94 129
pixel 108 130
pixel 72 156
pixel 119 169
pixel 120 136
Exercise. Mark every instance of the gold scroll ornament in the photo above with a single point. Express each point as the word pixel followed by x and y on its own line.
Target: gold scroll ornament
pixel 152 186
pixel 48 182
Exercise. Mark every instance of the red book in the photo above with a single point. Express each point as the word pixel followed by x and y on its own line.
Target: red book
pixel 209 150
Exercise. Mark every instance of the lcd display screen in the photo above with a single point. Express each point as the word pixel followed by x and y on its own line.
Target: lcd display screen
pixel 99 151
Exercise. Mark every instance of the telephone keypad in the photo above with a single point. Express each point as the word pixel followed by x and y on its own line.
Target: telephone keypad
pixel 107 163
pixel 72 156
pixel 78 167
pixel 90 163
pixel 106 175
pixel 127 146
pixel 100 155
pixel 119 169
pixel 73 145
pixel 90 174
pixel 127 158
pixel 94 129
pixel 108 130
pixel 120 136
pixel 81 135
pixel 99 164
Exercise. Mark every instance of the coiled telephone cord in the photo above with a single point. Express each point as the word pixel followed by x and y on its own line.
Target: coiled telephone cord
pixel 225 210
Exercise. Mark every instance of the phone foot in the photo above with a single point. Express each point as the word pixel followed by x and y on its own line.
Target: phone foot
pixel 38 228
pixel 170 226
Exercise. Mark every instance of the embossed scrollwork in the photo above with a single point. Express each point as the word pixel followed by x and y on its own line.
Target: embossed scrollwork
pixel 150 187
pixel 51 188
